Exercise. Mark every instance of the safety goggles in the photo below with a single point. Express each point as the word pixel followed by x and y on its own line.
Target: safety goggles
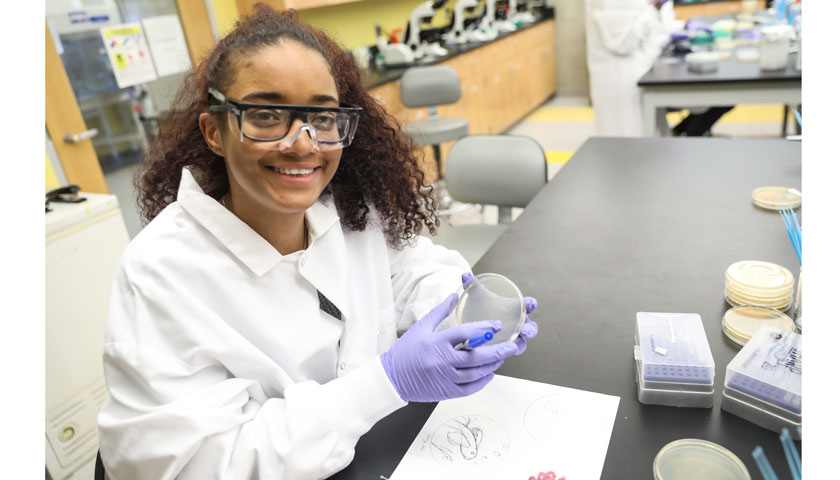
pixel 329 128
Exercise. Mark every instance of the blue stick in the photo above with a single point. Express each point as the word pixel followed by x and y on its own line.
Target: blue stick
pixel 764 464
pixel 797 116
pixel 792 455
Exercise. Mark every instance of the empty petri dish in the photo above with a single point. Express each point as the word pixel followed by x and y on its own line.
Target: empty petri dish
pixel 492 297
pixel 741 323
pixel 776 198
pixel 695 459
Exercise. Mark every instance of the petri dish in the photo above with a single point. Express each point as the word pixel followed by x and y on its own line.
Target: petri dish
pixel 695 459
pixel 492 297
pixel 776 198
pixel 760 276
pixel 741 323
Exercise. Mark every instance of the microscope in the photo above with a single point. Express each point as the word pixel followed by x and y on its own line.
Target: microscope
pixel 420 15
pixel 488 24
pixel 519 12
pixel 459 34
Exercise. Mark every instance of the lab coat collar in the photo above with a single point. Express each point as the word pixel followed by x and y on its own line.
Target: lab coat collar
pixel 246 244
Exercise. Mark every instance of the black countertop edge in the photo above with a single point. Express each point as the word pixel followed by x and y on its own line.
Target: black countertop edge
pixel 712 81
pixel 376 77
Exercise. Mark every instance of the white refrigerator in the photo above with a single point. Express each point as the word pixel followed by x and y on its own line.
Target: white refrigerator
pixel 84 242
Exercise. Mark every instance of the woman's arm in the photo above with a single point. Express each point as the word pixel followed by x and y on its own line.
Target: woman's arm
pixel 422 275
pixel 177 411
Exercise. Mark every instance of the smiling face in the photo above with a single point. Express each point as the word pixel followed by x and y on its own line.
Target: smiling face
pixel 268 182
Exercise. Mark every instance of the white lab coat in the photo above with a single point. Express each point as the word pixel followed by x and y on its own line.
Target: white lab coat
pixel 220 363
pixel 623 40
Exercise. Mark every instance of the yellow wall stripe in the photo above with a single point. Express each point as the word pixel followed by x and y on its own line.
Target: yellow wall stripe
pixel 558 157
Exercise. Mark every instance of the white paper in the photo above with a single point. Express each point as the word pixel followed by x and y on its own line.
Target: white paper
pixel 129 54
pixel 514 429
pixel 166 39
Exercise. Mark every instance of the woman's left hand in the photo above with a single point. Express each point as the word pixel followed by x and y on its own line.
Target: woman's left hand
pixel 529 329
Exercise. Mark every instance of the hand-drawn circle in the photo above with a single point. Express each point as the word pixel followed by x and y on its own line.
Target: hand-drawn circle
pixel 470 441
pixel 545 418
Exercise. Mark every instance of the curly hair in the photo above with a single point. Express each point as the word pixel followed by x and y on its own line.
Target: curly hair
pixel 380 168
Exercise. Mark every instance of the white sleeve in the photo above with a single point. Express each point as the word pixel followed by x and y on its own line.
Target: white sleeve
pixel 623 30
pixel 166 418
pixel 423 275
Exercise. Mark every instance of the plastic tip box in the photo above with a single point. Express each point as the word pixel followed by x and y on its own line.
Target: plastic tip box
pixel 764 381
pixel 674 364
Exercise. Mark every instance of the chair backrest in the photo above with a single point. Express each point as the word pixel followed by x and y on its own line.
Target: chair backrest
pixel 429 86
pixel 503 170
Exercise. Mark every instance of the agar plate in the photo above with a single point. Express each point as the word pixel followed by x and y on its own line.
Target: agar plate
pixel 760 276
pixel 492 297
pixel 776 198
pixel 741 323
pixel 695 459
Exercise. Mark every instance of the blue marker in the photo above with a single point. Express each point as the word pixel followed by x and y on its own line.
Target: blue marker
pixel 474 341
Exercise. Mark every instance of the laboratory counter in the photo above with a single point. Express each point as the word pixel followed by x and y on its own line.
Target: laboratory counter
pixel 377 76
pixel 629 225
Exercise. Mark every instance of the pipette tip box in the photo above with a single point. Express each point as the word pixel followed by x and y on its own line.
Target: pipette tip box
pixel 764 381
pixel 674 364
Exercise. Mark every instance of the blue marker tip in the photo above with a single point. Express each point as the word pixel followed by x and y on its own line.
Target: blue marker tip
pixel 475 341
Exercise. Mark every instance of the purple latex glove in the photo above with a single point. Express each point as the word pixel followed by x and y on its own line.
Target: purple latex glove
pixel 423 365
pixel 679 36
pixel 692 25
pixel 529 329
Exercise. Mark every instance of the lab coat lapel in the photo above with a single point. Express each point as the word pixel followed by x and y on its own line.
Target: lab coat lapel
pixel 324 264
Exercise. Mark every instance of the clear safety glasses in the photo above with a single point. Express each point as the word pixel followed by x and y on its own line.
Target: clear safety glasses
pixel 268 125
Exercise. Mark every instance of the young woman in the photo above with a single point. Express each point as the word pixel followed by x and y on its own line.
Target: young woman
pixel 253 324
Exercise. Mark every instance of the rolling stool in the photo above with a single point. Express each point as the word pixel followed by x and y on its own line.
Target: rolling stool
pixel 429 87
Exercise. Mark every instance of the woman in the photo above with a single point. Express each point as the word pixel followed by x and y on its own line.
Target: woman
pixel 623 40
pixel 253 326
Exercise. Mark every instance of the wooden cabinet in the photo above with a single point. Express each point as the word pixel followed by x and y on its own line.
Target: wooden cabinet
pixel 501 83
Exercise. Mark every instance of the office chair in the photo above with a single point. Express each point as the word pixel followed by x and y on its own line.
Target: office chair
pixel 502 170
pixel 431 86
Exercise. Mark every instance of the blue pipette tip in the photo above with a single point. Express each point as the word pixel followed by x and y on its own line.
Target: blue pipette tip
pixel 475 341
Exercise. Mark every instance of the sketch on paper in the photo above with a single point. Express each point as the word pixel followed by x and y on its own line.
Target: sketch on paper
pixel 546 418
pixel 468 440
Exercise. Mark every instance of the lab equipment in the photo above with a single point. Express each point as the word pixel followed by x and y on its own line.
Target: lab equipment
pixel 490 296
pixel 459 34
pixel 763 464
pixel 791 454
pixel 764 381
pixel 775 43
pixel 760 284
pixel 329 128
pixel 393 54
pixel 741 323
pixel 487 25
pixel 674 364
pixel 84 242
pixel 423 13
pixel 793 229
pixel 423 367
pixel 695 459
pixel 475 341
pixel 776 198
pixel 702 62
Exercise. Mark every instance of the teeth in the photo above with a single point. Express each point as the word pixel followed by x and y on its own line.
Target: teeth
pixel 294 171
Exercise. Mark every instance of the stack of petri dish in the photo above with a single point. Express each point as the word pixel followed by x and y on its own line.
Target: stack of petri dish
pixel 776 198
pixel 696 459
pixel 759 284
pixel 741 323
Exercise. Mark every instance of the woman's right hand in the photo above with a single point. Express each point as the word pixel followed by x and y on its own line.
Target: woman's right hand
pixel 424 366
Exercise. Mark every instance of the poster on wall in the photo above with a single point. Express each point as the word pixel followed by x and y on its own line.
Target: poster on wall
pixel 129 54
pixel 166 39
